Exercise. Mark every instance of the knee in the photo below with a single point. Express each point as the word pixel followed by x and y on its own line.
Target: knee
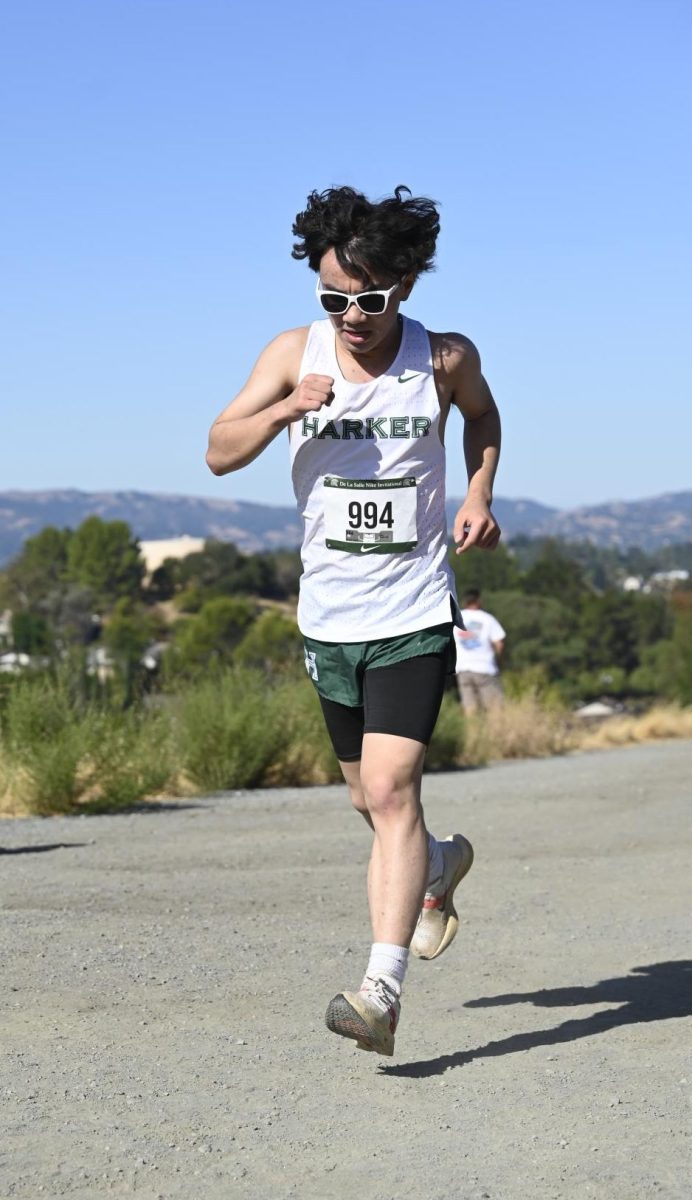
pixel 358 801
pixel 385 798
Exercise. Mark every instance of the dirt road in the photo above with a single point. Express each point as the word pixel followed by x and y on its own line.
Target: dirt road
pixel 165 975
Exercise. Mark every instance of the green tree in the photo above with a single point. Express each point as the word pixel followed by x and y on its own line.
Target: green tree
pixel 162 582
pixel 557 575
pixel 36 584
pixel 488 571
pixel 287 569
pixel 221 570
pixel 104 557
pixel 653 619
pixel 681 664
pixel 608 681
pixel 666 666
pixel 126 635
pixel 69 610
pixel 608 626
pixel 31 634
pixel 39 568
pixel 190 599
pixel 211 637
pixel 273 642
pixel 212 570
pixel 540 631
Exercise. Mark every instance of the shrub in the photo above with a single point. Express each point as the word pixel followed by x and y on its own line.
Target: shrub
pixel 229 730
pixel 60 754
pixel 533 683
pixel 131 757
pixel 307 755
pixel 44 738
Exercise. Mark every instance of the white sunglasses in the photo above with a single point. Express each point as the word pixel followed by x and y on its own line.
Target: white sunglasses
pixel 373 304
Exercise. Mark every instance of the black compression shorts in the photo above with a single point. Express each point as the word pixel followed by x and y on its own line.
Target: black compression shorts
pixel 402 699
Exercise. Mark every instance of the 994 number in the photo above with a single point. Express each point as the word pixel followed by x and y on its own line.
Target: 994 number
pixel 366 516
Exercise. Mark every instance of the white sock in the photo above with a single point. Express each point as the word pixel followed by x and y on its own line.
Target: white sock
pixel 437 865
pixel 388 961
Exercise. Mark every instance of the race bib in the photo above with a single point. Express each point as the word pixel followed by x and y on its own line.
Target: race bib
pixel 370 516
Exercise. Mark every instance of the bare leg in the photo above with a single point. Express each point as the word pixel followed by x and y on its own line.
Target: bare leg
pixel 390 777
pixel 399 861
pixel 385 789
pixel 351 773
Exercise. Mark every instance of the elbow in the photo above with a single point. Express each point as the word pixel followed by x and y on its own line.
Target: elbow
pixel 214 464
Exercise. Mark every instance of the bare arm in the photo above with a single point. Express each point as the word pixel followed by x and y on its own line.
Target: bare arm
pixel 498 647
pixel 270 400
pixel 465 387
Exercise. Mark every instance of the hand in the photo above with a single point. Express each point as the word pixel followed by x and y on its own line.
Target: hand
pixel 312 393
pixel 475 525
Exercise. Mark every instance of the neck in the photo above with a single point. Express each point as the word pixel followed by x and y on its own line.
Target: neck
pixel 371 362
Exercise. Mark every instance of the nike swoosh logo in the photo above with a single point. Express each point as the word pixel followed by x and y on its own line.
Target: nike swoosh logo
pixel 405 378
pixel 367 549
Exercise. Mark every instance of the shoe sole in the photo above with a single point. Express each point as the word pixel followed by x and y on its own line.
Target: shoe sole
pixel 345 1020
pixel 452 924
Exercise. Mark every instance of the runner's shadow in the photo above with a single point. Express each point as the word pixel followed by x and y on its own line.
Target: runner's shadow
pixel 40 849
pixel 657 992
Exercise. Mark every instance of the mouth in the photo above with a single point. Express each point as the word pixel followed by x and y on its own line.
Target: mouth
pixel 356 337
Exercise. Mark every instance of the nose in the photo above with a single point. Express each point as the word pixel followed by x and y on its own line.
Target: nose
pixel 352 312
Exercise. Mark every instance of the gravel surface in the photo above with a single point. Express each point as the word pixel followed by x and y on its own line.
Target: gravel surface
pixel 166 974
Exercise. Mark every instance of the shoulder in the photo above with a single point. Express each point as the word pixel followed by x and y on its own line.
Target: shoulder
pixel 458 374
pixel 290 342
pixel 452 352
pixel 284 352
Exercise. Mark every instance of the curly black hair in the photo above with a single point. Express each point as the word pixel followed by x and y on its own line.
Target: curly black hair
pixel 391 238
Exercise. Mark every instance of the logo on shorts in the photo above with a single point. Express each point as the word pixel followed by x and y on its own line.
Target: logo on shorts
pixel 311 664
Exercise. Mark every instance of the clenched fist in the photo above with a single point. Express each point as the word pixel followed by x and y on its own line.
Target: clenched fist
pixel 312 393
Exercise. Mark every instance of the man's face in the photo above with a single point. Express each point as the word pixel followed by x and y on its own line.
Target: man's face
pixel 362 332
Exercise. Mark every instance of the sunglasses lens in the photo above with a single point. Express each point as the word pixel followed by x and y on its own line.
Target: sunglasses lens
pixel 333 303
pixel 371 303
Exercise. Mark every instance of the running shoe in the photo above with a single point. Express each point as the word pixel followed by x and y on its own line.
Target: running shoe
pixel 369 1016
pixel 438 922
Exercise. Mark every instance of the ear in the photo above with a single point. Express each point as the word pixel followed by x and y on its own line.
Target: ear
pixel 407 286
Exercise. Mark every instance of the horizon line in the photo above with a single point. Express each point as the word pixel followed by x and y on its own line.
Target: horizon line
pixel 290 503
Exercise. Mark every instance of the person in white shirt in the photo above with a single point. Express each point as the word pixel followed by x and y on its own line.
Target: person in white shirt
pixel 479 648
pixel 363 396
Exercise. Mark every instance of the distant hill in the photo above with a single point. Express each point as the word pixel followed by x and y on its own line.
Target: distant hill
pixel 251 526
pixel 648 524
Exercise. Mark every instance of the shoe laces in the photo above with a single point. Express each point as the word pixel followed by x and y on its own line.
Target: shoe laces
pixel 384 995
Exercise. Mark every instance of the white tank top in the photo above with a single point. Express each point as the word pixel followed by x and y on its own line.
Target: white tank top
pixel 369 478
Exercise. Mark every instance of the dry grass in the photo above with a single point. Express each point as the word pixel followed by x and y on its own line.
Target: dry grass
pixel 22 795
pixel 525 728
pixel 516 729
pixel 663 722
pixel 16 791
pixel 118 767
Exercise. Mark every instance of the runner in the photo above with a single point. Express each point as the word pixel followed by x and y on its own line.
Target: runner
pixel 364 394
pixel 480 645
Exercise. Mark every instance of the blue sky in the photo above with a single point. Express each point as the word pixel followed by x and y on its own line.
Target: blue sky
pixel 155 153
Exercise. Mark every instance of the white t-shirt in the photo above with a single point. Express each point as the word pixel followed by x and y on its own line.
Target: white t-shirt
pixel 475 643
pixel 369 478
